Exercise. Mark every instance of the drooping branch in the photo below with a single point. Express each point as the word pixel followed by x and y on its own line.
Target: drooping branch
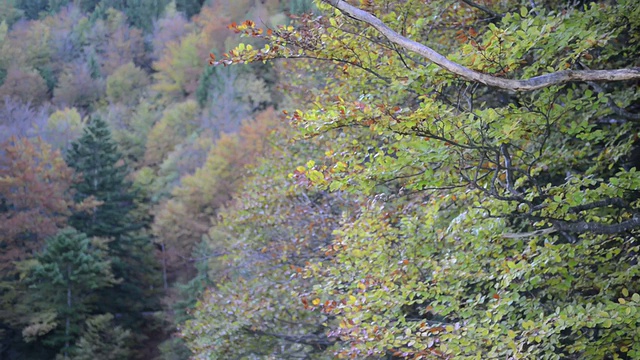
pixel 534 83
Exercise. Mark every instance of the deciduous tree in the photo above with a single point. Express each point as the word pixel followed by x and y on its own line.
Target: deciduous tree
pixel 502 210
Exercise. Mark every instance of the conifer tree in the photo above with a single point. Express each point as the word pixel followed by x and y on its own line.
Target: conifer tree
pixel 63 281
pixel 96 158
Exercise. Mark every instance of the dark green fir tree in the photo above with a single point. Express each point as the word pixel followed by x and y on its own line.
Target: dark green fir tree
pixel 64 281
pixel 96 158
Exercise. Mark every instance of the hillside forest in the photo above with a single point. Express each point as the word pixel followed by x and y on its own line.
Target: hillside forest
pixel 329 179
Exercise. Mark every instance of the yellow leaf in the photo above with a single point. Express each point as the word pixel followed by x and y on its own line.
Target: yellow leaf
pixel 449 328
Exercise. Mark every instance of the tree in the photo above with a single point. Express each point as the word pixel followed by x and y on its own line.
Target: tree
pixel 35 201
pixel 179 68
pixel 171 27
pixel 189 7
pixel 258 249
pixel 502 218
pixel 182 221
pixel 36 198
pixel 126 84
pixel 77 87
pixel 104 177
pixel 102 340
pixel 65 42
pixel 66 274
pixel 63 127
pixel 96 158
pixel 32 9
pixel 9 12
pixel 123 44
pixel 131 127
pixel 27 46
pixel 24 86
pixel 176 125
pixel 21 120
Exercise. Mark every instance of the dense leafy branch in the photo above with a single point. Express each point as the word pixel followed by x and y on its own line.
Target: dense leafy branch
pixel 534 83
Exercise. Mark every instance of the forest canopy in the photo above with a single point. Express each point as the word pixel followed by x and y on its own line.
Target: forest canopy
pixel 324 179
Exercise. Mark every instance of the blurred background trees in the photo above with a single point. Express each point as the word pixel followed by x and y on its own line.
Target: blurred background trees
pixel 120 145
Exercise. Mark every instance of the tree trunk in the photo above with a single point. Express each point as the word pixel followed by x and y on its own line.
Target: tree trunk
pixel 67 322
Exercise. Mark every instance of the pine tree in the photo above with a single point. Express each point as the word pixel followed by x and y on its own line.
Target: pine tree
pixel 96 158
pixel 63 281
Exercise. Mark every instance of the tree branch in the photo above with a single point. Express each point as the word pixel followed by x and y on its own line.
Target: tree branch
pixel 480 7
pixel 597 228
pixel 309 339
pixel 534 83
pixel 617 202
pixel 612 105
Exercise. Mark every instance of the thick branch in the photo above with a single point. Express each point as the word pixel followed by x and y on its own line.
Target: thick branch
pixel 534 83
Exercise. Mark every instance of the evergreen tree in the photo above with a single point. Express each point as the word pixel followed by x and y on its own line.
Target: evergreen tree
pixel 63 280
pixel 190 291
pixel 33 8
pixel 96 158
pixel 189 7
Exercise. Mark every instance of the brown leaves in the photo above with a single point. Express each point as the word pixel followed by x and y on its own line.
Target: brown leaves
pixel 248 27
pixel 35 186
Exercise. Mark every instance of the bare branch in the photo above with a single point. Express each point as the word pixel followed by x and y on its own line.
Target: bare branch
pixel 483 8
pixel 534 83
